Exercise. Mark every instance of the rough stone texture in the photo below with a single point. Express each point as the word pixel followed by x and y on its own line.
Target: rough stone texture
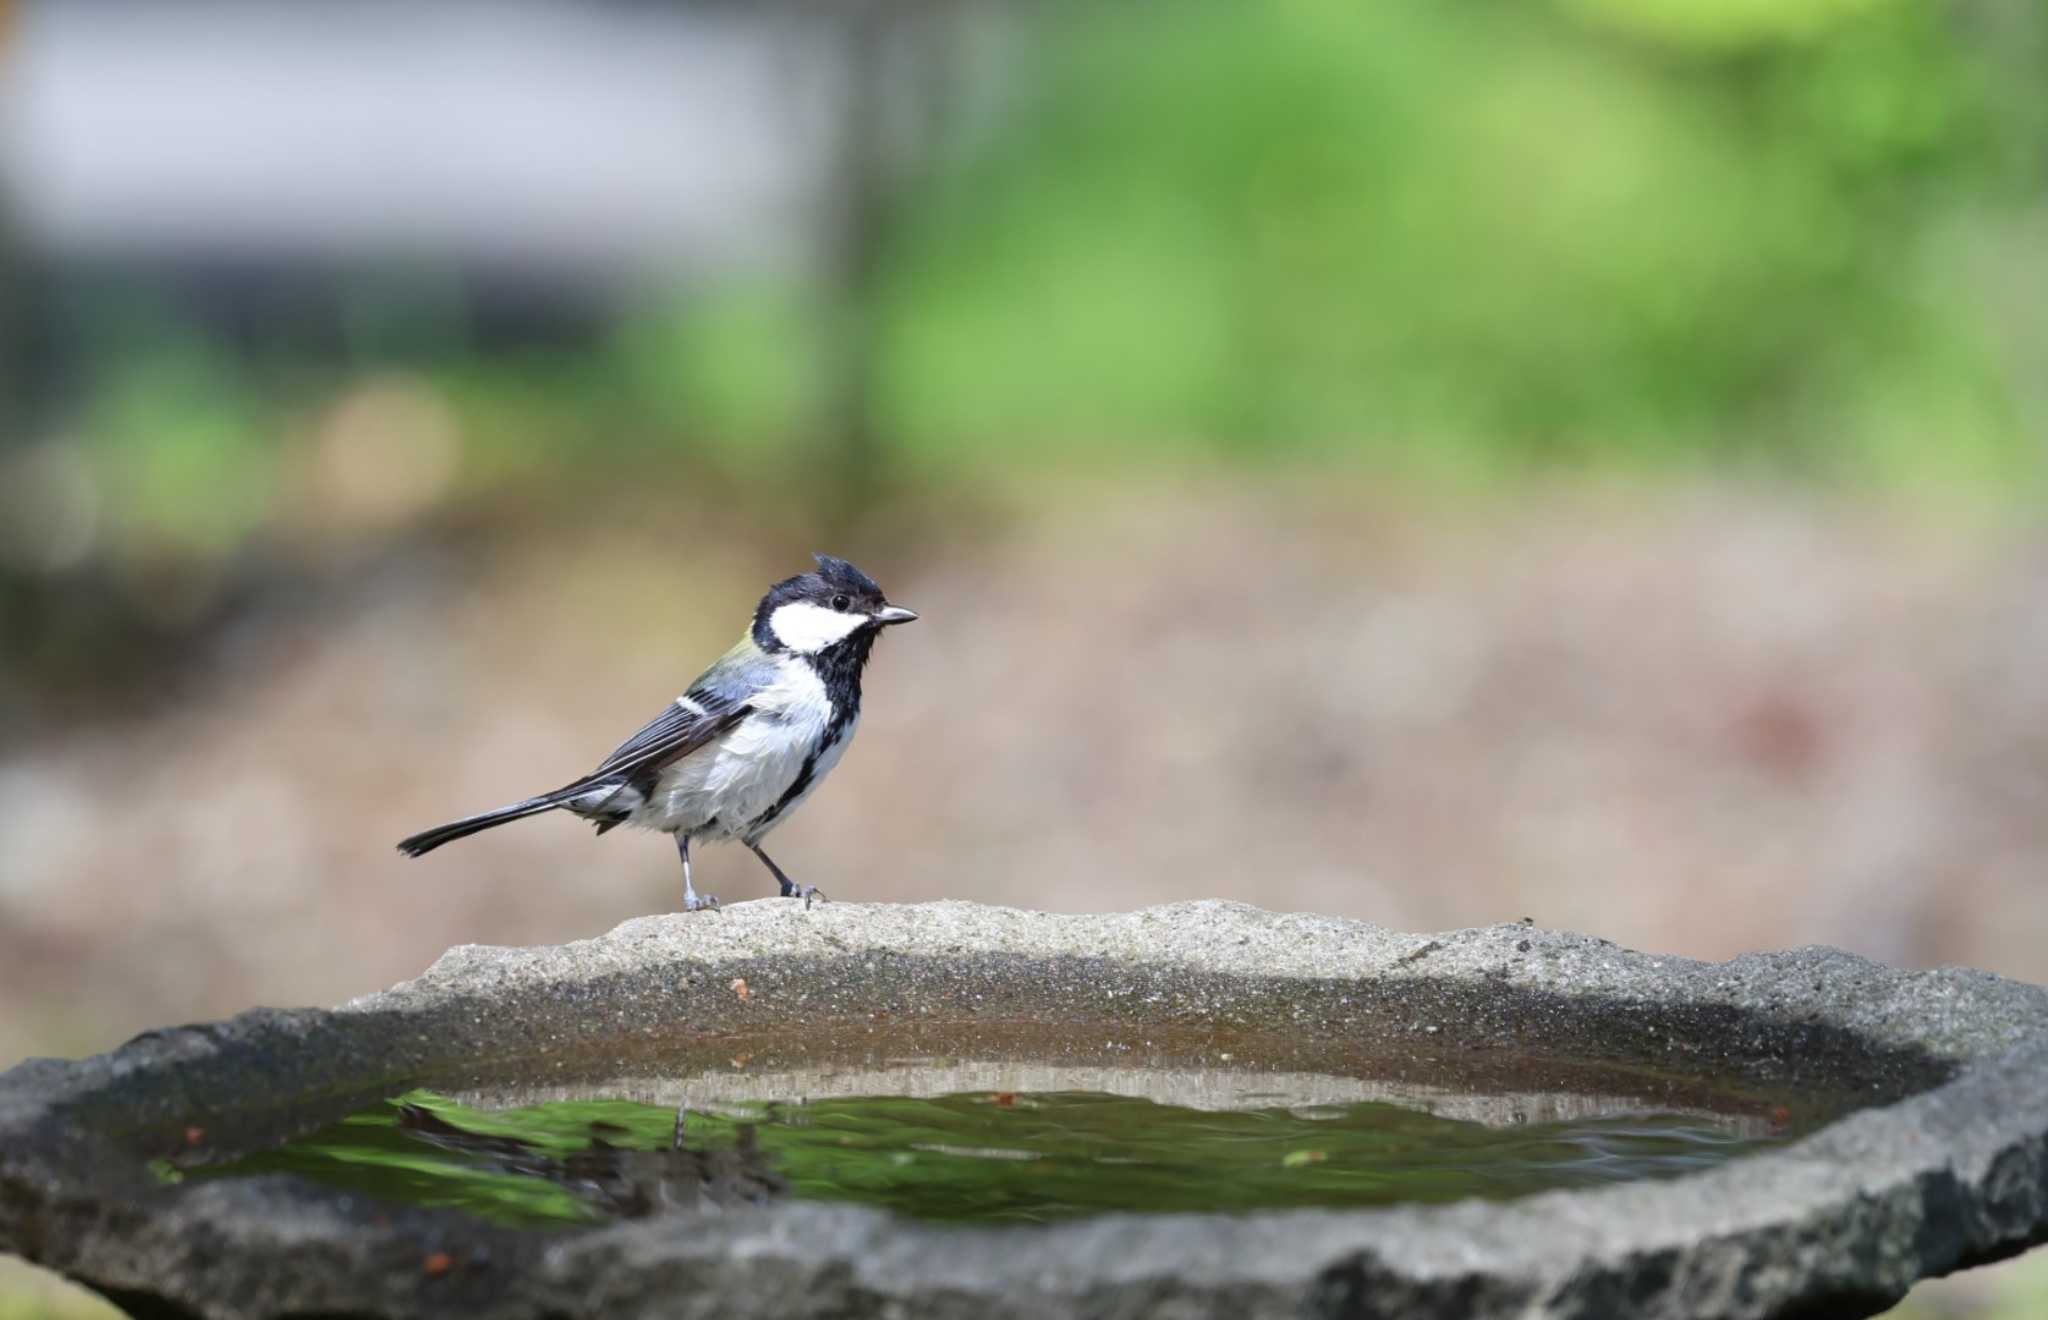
pixel 1950 1169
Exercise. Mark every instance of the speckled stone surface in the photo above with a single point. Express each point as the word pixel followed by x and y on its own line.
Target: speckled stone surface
pixel 1949 1168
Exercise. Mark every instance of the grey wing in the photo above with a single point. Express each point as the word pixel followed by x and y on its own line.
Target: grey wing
pixel 714 704
pixel 735 678
pixel 610 794
pixel 669 736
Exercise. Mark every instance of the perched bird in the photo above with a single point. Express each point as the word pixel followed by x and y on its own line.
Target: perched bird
pixel 742 748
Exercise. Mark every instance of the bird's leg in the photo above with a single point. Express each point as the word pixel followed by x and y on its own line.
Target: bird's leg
pixel 691 903
pixel 790 888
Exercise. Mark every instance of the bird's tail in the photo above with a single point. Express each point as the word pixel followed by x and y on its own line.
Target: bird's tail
pixel 428 840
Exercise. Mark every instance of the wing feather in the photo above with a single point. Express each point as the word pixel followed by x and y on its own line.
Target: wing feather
pixel 716 702
pixel 669 736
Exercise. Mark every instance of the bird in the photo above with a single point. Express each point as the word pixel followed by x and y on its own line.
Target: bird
pixel 746 743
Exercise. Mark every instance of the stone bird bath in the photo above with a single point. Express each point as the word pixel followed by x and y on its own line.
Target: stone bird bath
pixel 1931 1153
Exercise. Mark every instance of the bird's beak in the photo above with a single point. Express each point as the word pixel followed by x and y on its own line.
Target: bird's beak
pixel 889 614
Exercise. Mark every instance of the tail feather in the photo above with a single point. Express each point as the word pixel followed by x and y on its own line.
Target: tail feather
pixel 428 840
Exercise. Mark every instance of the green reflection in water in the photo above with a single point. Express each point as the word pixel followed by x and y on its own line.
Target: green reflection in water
pixel 1023 1157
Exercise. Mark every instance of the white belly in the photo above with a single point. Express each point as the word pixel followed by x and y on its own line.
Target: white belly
pixel 828 756
pixel 719 791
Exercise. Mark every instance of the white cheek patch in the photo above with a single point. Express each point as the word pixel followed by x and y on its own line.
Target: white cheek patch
pixel 809 629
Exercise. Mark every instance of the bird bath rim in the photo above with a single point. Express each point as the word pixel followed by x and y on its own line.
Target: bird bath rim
pixel 1949 1170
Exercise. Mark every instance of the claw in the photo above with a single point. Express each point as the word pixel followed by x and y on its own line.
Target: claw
pixel 701 903
pixel 809 892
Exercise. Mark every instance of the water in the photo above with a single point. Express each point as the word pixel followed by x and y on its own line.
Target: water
pixel 952 1142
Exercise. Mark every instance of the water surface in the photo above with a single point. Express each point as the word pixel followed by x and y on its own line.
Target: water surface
pixel 1028 1155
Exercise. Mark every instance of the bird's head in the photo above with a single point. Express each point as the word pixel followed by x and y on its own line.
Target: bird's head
pixel 814 612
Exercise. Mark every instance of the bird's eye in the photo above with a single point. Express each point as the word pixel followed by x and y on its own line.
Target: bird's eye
pixel 840 602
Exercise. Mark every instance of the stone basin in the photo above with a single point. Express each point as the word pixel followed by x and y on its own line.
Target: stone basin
pixel 1928 1148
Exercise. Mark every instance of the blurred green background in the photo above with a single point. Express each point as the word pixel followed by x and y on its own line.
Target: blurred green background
pixel 1478 241
pixel 1437 462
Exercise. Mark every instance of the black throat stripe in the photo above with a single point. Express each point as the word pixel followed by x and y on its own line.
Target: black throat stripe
pixel 839 668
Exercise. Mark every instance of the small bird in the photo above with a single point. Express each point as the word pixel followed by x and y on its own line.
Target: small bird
pixel 746 744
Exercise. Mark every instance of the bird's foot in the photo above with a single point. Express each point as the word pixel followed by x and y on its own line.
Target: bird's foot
pixel 790 889
pixel 700 902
